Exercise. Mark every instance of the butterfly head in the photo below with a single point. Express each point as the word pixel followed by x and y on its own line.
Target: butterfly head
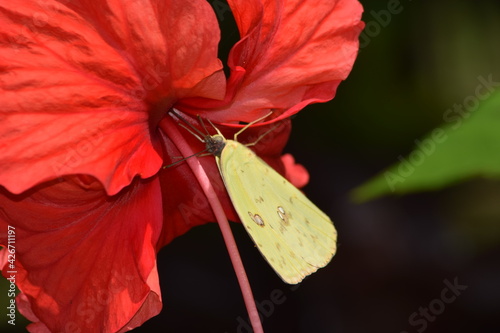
pixel 215 144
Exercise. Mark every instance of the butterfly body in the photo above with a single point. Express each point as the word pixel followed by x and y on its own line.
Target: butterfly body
pixel 293 235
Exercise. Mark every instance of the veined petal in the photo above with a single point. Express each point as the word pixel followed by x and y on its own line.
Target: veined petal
pixel 292 53
pixel 84 83
pixel 85 261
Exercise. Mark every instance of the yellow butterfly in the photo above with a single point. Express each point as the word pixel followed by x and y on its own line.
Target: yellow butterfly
pixel 294 236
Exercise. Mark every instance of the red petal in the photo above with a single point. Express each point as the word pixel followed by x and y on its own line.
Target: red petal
pixel 83 84
pixel 295 173
pixel 85 261
pixel 292 53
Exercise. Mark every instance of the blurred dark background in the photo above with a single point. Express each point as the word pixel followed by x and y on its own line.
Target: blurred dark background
pixel 396 255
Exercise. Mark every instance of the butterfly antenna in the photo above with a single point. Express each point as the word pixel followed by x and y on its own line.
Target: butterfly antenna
pixel 190 128
pixel 263 135
pixel 218 132
pixel 190 131
pixel 185 158
pixel 250 124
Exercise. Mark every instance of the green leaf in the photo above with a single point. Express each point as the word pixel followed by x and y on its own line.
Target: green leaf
pixel 467 145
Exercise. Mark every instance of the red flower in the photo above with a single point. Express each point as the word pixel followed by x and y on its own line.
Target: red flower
pixel 86 89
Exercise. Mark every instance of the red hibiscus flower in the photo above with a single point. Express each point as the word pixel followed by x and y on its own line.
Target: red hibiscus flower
pixel 86 89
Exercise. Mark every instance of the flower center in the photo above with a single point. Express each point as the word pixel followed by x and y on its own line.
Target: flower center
pixel 158 111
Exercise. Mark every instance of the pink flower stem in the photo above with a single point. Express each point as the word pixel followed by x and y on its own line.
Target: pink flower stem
pixel 170 127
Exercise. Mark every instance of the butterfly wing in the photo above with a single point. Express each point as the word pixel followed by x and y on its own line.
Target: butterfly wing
pixel 293 235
